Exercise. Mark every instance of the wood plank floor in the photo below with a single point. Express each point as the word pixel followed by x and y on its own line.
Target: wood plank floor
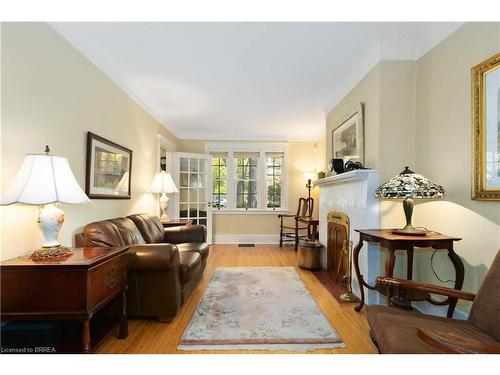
pixel 154 337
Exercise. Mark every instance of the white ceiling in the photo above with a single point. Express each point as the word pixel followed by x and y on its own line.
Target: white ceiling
pixel 237 81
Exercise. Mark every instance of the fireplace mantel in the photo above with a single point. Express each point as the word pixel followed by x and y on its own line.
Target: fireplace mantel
pixel 353 194
pixel 347 177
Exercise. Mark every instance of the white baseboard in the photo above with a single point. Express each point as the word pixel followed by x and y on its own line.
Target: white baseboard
pixel 246 238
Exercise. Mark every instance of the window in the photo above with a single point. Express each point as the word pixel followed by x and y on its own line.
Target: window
pixel 219 181
pixel 248 177
pixel 273 179
pixel 246 180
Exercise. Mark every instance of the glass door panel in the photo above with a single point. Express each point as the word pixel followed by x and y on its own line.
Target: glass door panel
pixel 194 179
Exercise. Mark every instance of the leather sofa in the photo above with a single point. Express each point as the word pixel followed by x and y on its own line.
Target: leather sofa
pixel 164 264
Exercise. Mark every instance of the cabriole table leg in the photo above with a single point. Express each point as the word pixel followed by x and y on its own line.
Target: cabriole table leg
pixel 355 258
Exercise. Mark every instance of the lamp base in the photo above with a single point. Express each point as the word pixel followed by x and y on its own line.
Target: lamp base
pixel 50 221
pixel 410 230
pixel 163 207
pixel 54 252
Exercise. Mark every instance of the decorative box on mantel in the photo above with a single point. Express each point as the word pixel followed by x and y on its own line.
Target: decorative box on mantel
pixel 353 194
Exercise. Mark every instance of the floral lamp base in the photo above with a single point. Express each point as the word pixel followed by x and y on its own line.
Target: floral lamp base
pixel 50 221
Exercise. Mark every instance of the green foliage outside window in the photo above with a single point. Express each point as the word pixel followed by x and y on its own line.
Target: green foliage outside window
pixel 246 187
pixel 219 183
pixel 273 180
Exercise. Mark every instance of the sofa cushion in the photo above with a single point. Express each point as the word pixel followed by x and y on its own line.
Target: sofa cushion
pixel 395 330
pixel 199 247
pixel 185 234
pixel 190 265
pixel 150 227
pixel 114 232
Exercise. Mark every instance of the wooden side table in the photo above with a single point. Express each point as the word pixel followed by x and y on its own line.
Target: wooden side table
pixel 176 222
pixel 75 287
pixel 394 242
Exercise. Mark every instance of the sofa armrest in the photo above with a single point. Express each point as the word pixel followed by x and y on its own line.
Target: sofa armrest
pixel 449 342
pixel 79 240
pixel 424 287
pixel 151 257
pixel 185 234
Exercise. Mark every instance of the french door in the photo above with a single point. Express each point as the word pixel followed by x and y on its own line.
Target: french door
pixel 192 174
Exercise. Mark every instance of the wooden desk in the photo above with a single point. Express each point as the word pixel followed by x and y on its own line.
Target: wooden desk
pixel 75 287
pixel 394 242
pixel 176 222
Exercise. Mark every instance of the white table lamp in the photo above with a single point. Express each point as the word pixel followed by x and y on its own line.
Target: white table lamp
pixel 44 180
pixel 163 184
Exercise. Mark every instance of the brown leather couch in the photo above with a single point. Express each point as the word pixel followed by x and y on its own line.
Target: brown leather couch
pixel 164 264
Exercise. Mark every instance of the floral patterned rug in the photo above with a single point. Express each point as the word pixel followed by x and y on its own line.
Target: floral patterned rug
pixel 265 308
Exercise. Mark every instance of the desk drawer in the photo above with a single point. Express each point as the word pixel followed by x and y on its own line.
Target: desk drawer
pixel 107 279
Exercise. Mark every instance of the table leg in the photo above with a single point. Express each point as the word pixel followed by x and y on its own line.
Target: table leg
pixel 459 277
pixel 123 330
pixel 409 262
pixel 86 336
pixel 389 270
pixel 355 258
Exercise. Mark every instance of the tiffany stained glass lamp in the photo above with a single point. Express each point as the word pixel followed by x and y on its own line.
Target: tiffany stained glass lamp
pixel 409 185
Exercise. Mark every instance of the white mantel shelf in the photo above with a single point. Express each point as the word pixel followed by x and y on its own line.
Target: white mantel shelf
pixel 347 177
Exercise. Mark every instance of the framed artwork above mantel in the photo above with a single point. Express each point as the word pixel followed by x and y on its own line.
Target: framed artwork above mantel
pixel 486 130
pixel 348 137
pixel 108 169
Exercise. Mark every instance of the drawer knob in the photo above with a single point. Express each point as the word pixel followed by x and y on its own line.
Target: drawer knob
pixel 111 284
pixel 111 271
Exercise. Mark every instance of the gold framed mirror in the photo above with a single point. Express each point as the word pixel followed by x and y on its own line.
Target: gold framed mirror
pixel 486 129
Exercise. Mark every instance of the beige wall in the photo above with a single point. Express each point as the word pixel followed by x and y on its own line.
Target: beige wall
pixel 443 151
pixel 388 96
pixel 302 157
pixel 321 162
pixel 418 114
pixel 367 91
pixel 53 95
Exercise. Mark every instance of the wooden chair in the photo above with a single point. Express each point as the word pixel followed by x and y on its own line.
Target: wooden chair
pixel 290 231
pixel 399 331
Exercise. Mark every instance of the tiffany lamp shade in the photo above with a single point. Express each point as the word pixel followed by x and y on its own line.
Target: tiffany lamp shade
pixel 408 186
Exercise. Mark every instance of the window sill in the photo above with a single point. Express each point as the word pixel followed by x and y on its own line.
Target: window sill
pixel 251 211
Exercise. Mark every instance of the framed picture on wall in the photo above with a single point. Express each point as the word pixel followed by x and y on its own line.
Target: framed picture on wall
pixel 486 129
pixel 108 170
pixel 348 138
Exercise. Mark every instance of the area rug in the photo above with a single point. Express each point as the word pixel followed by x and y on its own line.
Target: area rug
pixel 265 308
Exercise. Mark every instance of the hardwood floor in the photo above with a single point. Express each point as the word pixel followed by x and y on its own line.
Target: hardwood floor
pixel 154 337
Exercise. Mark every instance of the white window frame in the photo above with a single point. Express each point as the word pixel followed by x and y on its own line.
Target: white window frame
pixel 262 149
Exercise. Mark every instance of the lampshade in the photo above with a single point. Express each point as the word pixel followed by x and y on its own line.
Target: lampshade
pixel 163 183
pixel 411 185
pixel 44 179
pixel 310 175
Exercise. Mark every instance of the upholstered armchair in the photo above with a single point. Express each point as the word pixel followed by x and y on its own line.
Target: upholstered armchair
pixel 398 331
